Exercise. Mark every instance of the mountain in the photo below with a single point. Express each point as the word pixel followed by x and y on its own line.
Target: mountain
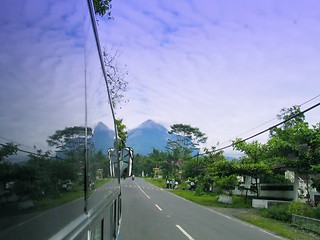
pixel 103 138
pixel 143 139
pixel 147 136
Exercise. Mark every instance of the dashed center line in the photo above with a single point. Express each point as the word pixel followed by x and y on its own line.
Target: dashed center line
pixel 184 232
pixel 158 207
pixel 143 192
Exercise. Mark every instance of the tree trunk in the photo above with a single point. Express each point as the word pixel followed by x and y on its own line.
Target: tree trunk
pixel 308 192
pixel 295 187
pixel 257 187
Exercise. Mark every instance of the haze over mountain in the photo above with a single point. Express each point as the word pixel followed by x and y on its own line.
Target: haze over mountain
pixel 146 136
pixel 102 138
pixel 142 139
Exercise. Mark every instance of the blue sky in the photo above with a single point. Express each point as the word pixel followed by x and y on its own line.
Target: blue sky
pixel 42 72
pixel 223 66
pixel 226 67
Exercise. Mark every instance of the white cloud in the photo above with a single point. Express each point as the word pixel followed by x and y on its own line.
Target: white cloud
pixel 222 66
pixel 42 74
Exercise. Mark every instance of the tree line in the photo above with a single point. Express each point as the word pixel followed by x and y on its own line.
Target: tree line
pixel 41 175
pixel 293 146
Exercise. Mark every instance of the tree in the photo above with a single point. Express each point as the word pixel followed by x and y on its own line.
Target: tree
pixel 71 144
pixel 102 7
pixel 69 138
pixel 122 133
pixel 226 183
pixel 223 174
pixel 256 171
pixel 6 167
pixel 115 77
pixel 255 163
pixel 296 144
pixel 7 150
pixel 192 168
pixel 62 171
pixel 186 139
pixel 204 167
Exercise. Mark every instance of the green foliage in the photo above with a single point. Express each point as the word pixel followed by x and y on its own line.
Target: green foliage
pixel 187 139
pixel 62 171
pixel 222 168
pixel 255 151
pixel 192 168
pixel 211 199
pixel 296 145
pixel 283 212
pixel 299 208
pixel 295 142
pixel 316 212
pixel 226 183
pixel 122 132
pixel 292 116
pixel 276 177
pixel 7 150
pixel 102 7
pixel 159 182
pixel 69 138
pixel 156 158
pixel 199 190
pixel 184 186
pixel 279 212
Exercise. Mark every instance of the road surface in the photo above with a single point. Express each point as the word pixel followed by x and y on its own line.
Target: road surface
pixel 153 213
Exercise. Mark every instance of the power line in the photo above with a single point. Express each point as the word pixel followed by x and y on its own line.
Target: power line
pixel 309 100
pixel 274 126
pixel 275 117
pixel 248 131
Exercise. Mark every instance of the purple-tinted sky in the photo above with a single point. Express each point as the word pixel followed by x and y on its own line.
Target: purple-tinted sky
pixel 223 66
pixel 226 67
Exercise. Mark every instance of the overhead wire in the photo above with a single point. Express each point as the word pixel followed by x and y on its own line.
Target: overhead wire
pixel 275 118
pixel 270 128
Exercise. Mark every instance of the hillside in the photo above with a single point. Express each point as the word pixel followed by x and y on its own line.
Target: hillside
pixel 147 136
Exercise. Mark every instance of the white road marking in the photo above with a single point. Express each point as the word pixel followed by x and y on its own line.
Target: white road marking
pixel 232 218
pixel 158 207
pixel 143 192
pixel 184 232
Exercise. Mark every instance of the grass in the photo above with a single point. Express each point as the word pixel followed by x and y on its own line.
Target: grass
pixel 160 182
pixel 283 229
pixel 205 199
pixel 211 199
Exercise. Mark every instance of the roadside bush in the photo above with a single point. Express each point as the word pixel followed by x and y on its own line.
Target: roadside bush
pixel 284 212
pixel 300 208
pixel 199 190
pixel 184 186
pixel 279 212
pixel 316 212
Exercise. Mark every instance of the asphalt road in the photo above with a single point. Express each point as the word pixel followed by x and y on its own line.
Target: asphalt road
pixel 153 213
